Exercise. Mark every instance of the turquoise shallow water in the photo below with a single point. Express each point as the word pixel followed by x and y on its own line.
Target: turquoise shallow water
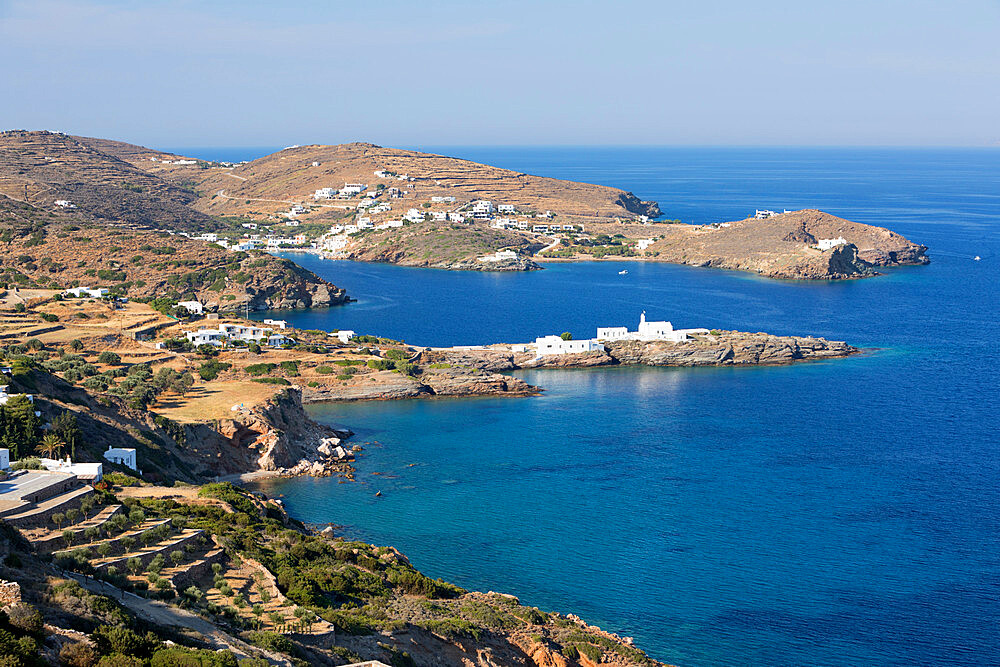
pixel 836 513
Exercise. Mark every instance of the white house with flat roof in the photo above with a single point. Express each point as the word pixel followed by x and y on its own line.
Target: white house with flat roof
pixel 123 456
pixel 499 256
pixel 82 292
pixel 206 337
pixel 90 472
pixel 830 244
pixel 193 307
pixel 352 189
pixel 547 345
pixel 506 208
pixel 345 335
pixel 280 324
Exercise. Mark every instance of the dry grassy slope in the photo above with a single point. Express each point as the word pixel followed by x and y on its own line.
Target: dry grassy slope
pixel 289 174
pixel 780 247
pixel 41 167
pixel 439 245
pixel 142 258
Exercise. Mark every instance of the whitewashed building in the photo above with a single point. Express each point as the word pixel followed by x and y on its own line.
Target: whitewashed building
pixel 123 456
pixel 4 459
pixel 280 324
pixel 830 244
pixel 499 256
pixel 648 331
pixel 206 337
pixel 506 208
pixel 547 345
pixel 352 189
pixel 92 292
pixel 193 307
pixel 345 335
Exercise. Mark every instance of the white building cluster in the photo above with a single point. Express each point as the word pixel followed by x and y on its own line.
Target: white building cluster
pixel 764 214
pixel 648 331
pixel 229 332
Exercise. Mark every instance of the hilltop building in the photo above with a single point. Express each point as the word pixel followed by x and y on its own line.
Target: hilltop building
pixel 123 456
pixel 830 244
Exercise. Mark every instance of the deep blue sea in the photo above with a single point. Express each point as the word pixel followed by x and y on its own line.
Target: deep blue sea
pixel 835 513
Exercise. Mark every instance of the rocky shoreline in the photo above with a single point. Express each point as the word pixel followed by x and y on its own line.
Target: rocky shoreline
pixel 717 348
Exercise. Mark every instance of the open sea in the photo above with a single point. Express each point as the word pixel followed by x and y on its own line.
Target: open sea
pixel 834 513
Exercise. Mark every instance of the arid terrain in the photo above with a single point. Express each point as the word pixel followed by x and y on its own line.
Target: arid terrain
pixel 271 203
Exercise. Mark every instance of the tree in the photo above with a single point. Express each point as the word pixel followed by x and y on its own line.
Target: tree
pixel 91 533
pixel 86 506
pixel 64 425
pixel 72 514
pixel 104 549
pixel 68 536
pixel 76 345
pixel 176 557
pixel 565 335
pixel 51 444
pixel 58 518
pixel 207 350
pixel 134 565
pixel 136 516
pixel 108 357
pixel 127 543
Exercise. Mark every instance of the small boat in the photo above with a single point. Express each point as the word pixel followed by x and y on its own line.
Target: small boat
pixel 377 494
pixel 976 258
pixel 623 272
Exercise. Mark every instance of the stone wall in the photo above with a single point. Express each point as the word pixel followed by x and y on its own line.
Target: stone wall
pixel 10 593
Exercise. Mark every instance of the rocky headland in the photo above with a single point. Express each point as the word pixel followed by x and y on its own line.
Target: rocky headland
pixel 718 348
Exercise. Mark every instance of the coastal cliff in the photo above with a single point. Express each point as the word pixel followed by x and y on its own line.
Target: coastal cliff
pixel 728 348
pixel 785 246
pixel 718 348
pixel 63 250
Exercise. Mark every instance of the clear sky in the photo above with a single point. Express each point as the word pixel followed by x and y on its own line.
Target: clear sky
pixel 425 72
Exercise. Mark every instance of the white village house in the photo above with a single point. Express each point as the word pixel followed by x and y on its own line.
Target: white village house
pixel 193 307
pixel 830 244
pixel 124 456
pixel 345 335
pixel 92 292
pixel 546 345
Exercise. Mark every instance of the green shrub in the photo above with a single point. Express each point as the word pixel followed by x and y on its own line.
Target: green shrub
pixel 259 369
pixel 108 357
pixel 49 317
pixel 211 369
pixel 269 380
pixel 324 370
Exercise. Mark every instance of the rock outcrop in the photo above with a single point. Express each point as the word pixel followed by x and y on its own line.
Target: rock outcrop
pixel 728 348
pixel 718 348
pixel 276 436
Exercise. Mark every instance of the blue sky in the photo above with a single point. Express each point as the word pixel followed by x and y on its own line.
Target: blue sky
pixel 253 73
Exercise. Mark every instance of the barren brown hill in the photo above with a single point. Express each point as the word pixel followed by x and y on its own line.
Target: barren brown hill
pixel 45 249
pixel 40 168
pixel 290 175
pixel 783 247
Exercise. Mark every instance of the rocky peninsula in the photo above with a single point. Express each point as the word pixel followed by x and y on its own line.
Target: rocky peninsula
pixel 717 348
